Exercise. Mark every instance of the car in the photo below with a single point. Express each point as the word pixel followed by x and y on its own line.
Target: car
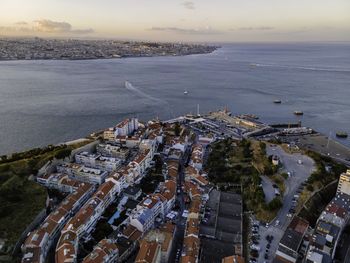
pixel 300 162
pixel 268 245
pixel 266 256
pixel 255 247
pixel 254 253
pixel 277 223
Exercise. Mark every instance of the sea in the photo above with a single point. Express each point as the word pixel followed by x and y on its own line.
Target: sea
pixel 52 101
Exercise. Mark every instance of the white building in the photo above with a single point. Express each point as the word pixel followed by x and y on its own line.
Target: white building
pixel 112 150
pixel 82 173
pixel 98 161
pixel 344 183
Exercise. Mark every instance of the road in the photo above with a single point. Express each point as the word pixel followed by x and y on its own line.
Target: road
pixel 180 221
pixel 300 172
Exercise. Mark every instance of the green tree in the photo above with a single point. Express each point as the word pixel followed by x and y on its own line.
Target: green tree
pixel 177 129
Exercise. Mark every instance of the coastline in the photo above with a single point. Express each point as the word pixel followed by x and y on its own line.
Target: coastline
pixel 108 58
pixel 68 49
pixel 315 142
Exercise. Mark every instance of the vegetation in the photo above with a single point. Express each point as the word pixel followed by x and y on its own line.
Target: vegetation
pixel 315 204
pixel 231 162
pixel 261 161
pixel 320 188
pixel 177 129
pixel 322 176
pixel 150 182
pixel 21 199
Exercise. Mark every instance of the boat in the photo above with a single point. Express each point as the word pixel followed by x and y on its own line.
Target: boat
pixel 297 112
pixel 341 134
pixel 185 92
pixel 277 101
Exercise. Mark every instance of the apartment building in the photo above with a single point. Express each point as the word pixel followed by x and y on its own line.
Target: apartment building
pixel 98 161
pixel 344 183
pixel 114 150
pixel 150 252
pixel 124 128
pixel 82 173
pixel 331 223
pixel 39 241
pixel 59 181
pixel 83 223
pixel 105 251
pixel 196 159
pixel 164 238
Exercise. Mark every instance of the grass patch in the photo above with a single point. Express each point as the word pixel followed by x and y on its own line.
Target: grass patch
pixel 260 159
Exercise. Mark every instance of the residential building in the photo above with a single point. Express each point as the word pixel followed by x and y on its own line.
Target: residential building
pixel 150 252
pixel 132 192
pixel 104 252
pixel 196 159
pixel 344 183
pixel 165 239
pixel 291 241
pixel 98 161
pixel 143 217
pixel 82 173
pixel 330 224
pixel 112 149
pixel 39 241
pixel 59 181
pixel 124 128
pixel 83 223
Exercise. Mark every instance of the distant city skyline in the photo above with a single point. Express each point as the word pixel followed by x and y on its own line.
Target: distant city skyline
pixel 178 20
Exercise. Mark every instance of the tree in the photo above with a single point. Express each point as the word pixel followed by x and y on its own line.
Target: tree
pixel 63 153
pixel 177 129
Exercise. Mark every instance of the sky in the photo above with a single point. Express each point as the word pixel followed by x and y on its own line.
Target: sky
pixel 178 20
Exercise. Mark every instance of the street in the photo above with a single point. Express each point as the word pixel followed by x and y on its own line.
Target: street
pixel 175 253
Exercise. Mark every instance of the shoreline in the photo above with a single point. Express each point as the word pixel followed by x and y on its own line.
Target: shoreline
pixel 315 142
pixel 107 58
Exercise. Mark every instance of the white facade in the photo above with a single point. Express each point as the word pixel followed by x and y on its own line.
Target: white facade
pixel 344 183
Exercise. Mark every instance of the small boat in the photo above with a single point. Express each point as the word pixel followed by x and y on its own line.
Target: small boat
pixel 185 92
pixel 298 113
pixel 252 65
pixel 277 101
pixel 341 134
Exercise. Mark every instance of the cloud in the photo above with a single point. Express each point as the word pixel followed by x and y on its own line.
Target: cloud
pixel 43 26
pixel 49 26
pixel 188 5
pixel 260 28
pixel 188 31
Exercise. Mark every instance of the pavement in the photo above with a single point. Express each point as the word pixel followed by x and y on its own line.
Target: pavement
pixel 300 173
pixel 267 186
pixel 320 143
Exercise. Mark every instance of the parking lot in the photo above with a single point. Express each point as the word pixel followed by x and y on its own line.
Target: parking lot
pixel 300 167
